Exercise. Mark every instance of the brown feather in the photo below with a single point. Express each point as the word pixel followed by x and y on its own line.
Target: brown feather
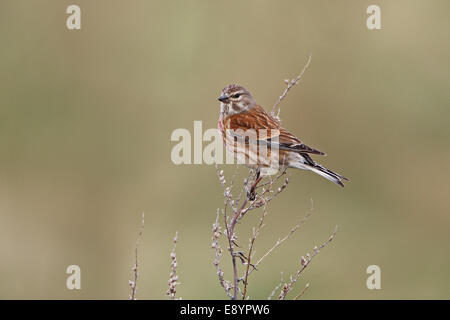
pixel 257 118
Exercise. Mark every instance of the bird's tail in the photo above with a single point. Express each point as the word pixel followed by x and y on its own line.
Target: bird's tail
pixel 326 173
pixel 305 162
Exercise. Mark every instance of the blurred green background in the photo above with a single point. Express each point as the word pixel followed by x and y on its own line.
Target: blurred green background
pixel 86 118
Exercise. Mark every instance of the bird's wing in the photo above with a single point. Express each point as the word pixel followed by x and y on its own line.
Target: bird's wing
pixel 258 119
pixel 254 119
pixel 290 142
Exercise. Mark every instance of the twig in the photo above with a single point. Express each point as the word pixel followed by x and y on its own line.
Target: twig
pixel 217 232
pixel 237 214
pixel 268 194
pixel 231 239
pixel 302 292
pixel 280 241
pixel 229 228
pixel 276 288
pixel 304 262
pixel 290 84
pixel 265 196
pixel 135 267
pixel 173 278
pixel 249 256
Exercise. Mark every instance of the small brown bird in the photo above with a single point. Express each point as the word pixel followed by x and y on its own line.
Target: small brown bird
pixel 239 114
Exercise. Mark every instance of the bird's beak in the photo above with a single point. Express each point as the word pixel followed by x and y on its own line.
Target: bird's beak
pixel 223 98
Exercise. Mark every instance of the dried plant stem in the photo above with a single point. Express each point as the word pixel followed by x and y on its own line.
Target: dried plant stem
pixel 302 292
pixel 252 243
pixel 173 278
pixel 280 241
pixel 231 240
pixel 238 215
pixel 290 84
pixel 217 232
pixel 238 211
pixel 304 262
pixel 276 288
pixel 133 283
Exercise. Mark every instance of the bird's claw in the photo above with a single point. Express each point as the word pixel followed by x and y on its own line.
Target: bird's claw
pixel 251 195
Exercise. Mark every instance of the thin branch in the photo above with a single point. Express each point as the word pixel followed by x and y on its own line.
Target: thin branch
pixel 276 288
pixel 281 241
pixel 229 228
pixel 265 196
pixel 290 84
pixel 217 232
pixel 256 232
pixel 302 292
pixel 304 262
pixel 232 238
pixel 173 278
pixel 133 284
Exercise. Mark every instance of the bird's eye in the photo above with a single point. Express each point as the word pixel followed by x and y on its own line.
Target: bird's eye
pixel 237 95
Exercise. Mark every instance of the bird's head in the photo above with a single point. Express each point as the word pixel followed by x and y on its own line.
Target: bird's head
pixel 235 99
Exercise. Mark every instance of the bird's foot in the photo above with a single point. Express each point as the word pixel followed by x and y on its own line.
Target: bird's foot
pixel 251 195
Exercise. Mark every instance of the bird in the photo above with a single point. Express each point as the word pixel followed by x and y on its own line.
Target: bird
pixel 240 114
